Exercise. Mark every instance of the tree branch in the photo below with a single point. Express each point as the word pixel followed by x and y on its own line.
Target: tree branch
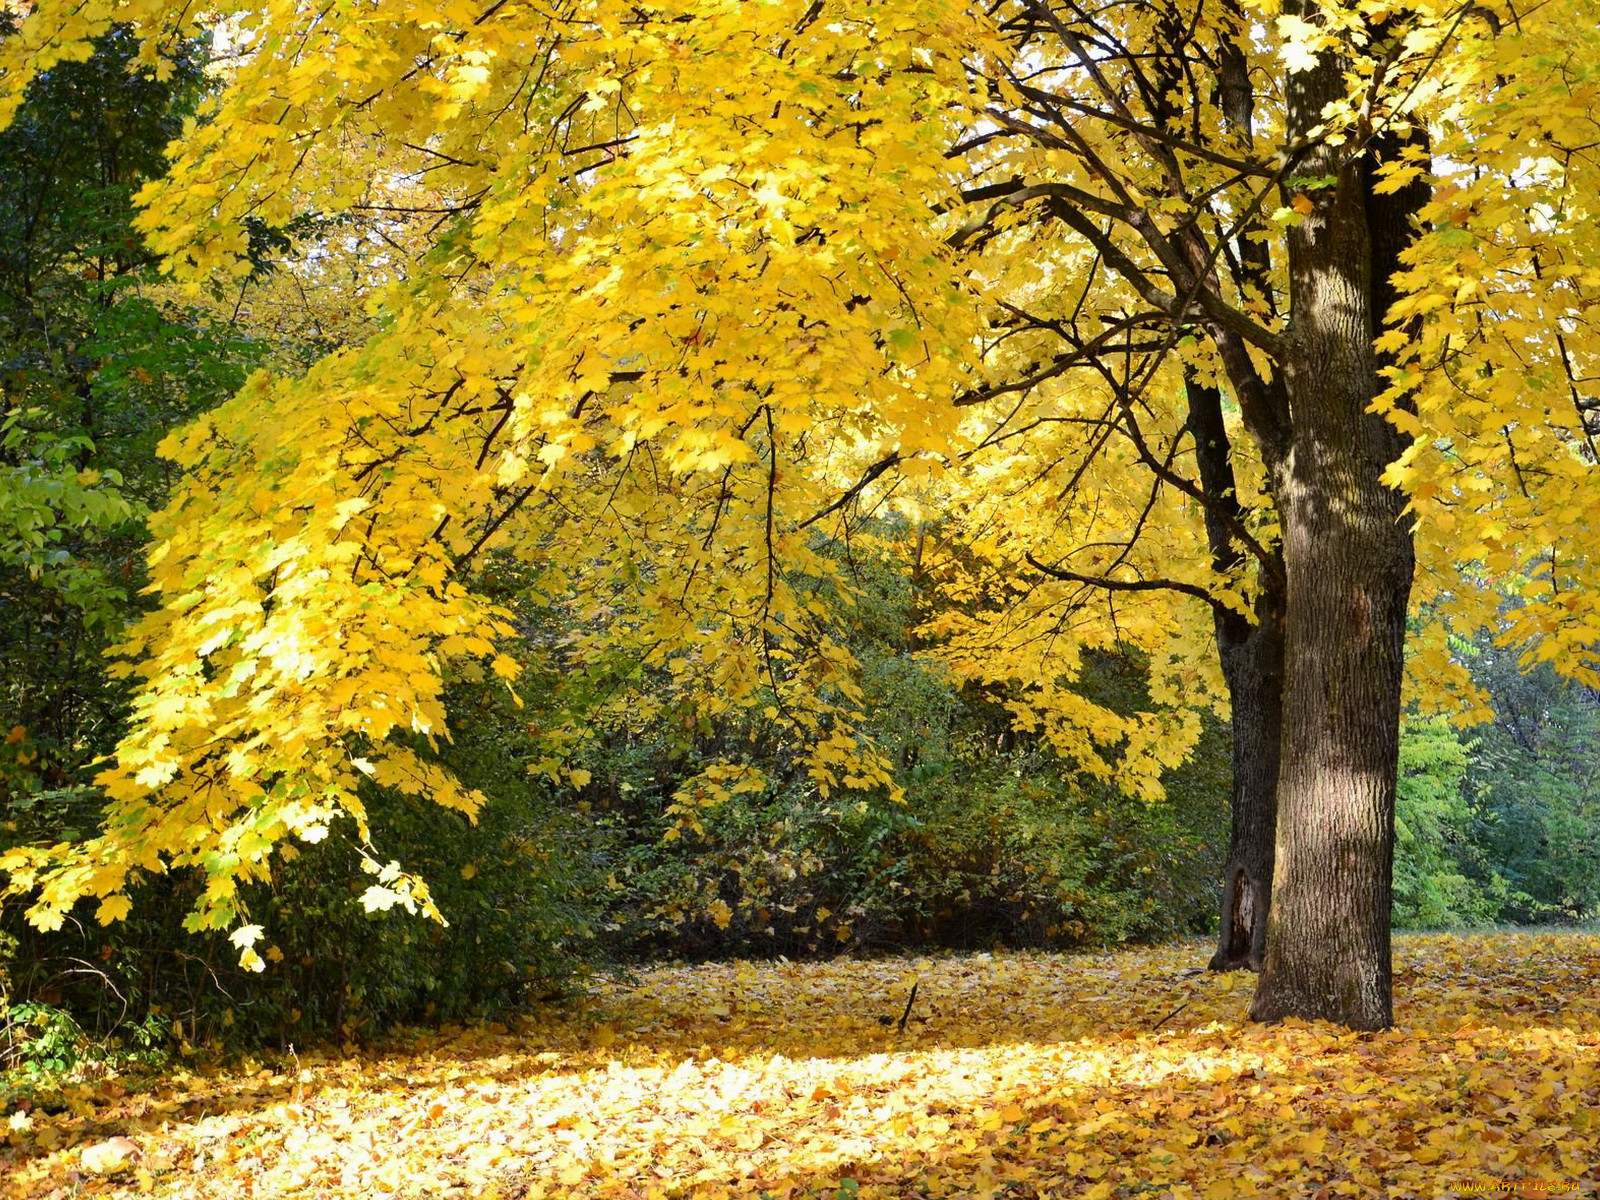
pixel 855 489
pixel 1124 585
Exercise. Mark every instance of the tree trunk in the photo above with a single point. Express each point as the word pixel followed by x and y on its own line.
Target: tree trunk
pixel 1252 668
pixel 1251 654
pixel 1348 558
pixel 1349 565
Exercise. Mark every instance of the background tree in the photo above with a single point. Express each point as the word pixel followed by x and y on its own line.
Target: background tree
pixel 94 372
pixel 1531 782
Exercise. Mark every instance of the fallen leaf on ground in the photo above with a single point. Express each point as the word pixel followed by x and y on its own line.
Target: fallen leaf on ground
pixel 1017 1075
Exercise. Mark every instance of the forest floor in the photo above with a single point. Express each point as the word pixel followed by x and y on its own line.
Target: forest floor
pixel 1017 1075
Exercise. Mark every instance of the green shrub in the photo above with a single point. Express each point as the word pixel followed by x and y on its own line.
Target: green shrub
pixel 515 888
pixel 988 847
pixel 1441 879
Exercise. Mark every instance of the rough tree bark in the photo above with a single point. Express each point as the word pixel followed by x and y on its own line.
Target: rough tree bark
pixel 1348 558
pixel 1251 653
pixel 1252 665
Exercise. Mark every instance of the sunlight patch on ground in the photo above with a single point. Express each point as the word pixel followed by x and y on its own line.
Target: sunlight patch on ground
pixel 1017 1075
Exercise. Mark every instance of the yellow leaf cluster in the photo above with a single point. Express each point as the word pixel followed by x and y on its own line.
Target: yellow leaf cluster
pixel 1498 390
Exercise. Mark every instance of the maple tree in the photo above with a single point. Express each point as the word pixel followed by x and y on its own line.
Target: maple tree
pixel 1289 305
pixel 1289 328
pixel 706 275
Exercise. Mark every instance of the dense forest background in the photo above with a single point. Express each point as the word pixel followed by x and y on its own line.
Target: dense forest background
pixel 993 842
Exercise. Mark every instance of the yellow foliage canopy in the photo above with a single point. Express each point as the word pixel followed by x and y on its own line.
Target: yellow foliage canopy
pixel 702 271
pixel 1503 379
pixel 693 277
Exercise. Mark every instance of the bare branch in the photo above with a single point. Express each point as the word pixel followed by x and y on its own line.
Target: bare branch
pixel 1124 585
pixel 855 489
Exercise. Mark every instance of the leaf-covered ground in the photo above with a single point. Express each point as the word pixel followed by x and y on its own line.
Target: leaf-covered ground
pixel 1123 1074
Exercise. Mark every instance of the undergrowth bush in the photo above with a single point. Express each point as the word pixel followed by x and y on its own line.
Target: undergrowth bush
pixel 992 844
pixel 513 887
